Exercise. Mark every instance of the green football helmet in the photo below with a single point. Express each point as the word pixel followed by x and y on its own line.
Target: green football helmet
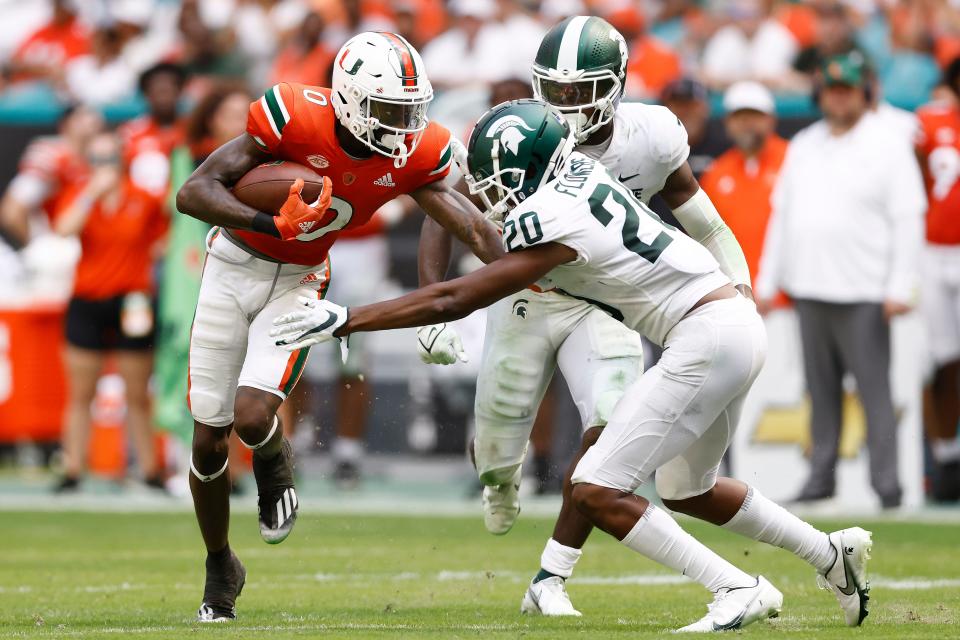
pixel 514 149
pixel 581 69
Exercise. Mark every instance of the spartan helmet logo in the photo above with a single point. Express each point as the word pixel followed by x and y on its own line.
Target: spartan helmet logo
pixel 508 128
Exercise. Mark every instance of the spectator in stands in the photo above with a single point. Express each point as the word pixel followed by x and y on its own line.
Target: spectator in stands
pixel 740 181
pixel 844 241
pixel 835 34
pixel 45 54
pixel 207 53
pixel 50 166
pixel 149 140
pixel 938 147
pixel 102 77
pixel 689 100
pixel 119 226
pixel 652 64
pixel 474 50
pixel 219 117
pixel 753 46
pixel 306 58
pixel 261 26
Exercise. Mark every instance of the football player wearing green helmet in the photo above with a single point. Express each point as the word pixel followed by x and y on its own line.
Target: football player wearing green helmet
pixel 580 69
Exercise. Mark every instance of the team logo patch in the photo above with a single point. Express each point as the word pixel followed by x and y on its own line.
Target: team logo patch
pixel 508 129
pixel 318 161
pixel 348 178
pixel 386 180
pixel 520 308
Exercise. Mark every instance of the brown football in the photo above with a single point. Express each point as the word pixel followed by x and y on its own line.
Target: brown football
pixel 267 186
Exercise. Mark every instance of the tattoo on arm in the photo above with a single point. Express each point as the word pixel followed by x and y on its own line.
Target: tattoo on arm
pixel 206 194
pixel 460 217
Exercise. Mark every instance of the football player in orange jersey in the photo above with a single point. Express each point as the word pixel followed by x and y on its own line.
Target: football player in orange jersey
pixel 938 147
pixel 370 138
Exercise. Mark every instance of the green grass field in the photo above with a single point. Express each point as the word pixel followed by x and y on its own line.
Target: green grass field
pixel 93 575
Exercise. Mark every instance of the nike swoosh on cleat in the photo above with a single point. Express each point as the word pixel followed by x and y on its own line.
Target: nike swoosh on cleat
pixel 851 587
pixel 733 624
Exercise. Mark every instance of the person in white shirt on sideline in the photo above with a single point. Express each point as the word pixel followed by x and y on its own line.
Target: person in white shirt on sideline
pixel 844 242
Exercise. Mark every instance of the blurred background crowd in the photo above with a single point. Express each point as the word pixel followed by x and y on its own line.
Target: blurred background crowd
pixel 106 106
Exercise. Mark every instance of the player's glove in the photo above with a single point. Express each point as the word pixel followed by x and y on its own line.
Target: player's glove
pixel 313 322
pixel 296 216
pixel 440 344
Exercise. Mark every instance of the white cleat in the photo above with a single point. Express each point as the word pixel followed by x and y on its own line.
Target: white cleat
pixel 548 598
pixel 501 505
pixel 847 578
pixel 736 608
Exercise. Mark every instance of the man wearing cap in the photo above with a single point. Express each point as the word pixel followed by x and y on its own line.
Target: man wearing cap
pixel 739 182
pixel 844 242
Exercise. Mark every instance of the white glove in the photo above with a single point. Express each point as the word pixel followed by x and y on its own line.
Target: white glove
pixel 313 322
pixel 440 344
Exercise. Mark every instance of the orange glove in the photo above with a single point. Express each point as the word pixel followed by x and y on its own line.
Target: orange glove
pixel 296 216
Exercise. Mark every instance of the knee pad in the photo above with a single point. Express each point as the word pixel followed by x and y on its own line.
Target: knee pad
pixel 209 409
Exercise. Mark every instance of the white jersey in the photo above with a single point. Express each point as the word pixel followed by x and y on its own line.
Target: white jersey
pixel 648 144
pixel 643 272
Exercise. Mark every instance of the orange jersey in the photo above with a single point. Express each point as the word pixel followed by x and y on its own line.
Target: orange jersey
pixel 296 122
pixel 53 46
pixel 146 151
pixel 939 143
pixel 116 243
pixel 57 166
pixel 740 189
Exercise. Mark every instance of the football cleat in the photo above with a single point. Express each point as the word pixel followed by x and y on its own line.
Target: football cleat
pixel 501 505
pixel 278 502
pixel 736 608
pixel 548 598
pixel 225 580
pixel 847 578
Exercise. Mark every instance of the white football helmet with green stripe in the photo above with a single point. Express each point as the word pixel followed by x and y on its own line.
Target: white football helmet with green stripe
pixel 581 69
pixel 380 93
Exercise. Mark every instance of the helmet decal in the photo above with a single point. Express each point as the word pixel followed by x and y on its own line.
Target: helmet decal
pixel 510 136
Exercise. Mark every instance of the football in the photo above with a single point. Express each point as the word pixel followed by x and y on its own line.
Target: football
pixel 267 186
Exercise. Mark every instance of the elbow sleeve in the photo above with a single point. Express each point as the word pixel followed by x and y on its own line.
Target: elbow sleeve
pixel 703 222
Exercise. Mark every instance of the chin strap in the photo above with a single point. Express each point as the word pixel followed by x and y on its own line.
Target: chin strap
pixel 273 430
pixel 212 476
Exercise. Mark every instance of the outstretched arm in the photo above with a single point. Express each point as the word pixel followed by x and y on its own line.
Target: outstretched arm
pixel 321 320
pixel 454 212
pixel 206 194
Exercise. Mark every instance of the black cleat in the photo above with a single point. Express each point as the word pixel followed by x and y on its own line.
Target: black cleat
pixel 278 499
pixel 67 484
pixel 225 579
pixel 346 475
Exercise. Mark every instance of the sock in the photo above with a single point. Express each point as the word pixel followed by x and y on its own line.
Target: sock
pixel 945 451
pixel 557 560
pixel 347 449
pixel 658 537
pixel 766 521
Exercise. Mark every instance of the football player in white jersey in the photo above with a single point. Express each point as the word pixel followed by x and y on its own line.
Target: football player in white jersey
pixel 571 225
pixel 580 69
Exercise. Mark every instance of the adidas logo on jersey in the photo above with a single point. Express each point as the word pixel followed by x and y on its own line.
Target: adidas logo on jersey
pixel 386 180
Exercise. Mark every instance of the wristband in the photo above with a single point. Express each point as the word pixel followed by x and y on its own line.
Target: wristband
pixel 264 223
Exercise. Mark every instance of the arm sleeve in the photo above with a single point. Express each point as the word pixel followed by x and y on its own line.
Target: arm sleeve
pixel 703 222
pixel 268 117
pixel 907 204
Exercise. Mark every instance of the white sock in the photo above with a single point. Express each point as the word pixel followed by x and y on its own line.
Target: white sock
pixel 347 449
pixel 658 537
pixel 766 521
pixel 559 559
pixel 945 450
